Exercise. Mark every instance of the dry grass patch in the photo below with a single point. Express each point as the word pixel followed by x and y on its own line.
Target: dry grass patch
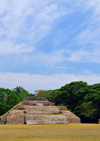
pixel 66 132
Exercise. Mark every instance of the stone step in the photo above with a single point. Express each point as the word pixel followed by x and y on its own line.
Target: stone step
pixel 37 103
pixel 46 119
pixel 41 109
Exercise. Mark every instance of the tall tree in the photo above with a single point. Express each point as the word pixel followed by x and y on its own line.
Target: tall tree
pixel 19 89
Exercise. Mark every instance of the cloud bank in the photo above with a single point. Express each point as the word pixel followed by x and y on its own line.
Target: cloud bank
pixel 33 82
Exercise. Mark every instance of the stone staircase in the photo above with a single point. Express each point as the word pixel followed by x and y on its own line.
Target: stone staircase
pixel 42 112
pixel 46 119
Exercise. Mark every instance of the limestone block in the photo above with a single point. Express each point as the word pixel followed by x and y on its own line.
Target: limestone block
pixel 72 118
pixel 15 117
pixel 61 107
pixel 44 103
pixel 48 104
pixel 37 99
pixel 41 109
pixel 18 107
pixel 45 119
pixel 30 98
pixel 28 102
pixel 37 103
pixel 41 99
pixel 4 119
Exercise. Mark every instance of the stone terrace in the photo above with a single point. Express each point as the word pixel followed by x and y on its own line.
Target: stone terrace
pixel 45 119
pixel 39 111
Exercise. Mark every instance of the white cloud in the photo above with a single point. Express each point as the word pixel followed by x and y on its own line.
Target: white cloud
pixel 50 59
pixel 89 36
pixel 95 5
pixel 3 6
pixel 7 47
pixel 27 21
pixel 79 56
pixel 32 82
pixel 59 67
pixel 91 33
pixel 85 56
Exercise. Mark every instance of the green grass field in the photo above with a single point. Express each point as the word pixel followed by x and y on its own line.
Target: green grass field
pixel 66 132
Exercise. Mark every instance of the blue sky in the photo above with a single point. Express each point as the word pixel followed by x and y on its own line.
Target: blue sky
pixel 47 44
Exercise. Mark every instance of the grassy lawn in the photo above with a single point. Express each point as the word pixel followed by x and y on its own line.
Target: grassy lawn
pixel 66 132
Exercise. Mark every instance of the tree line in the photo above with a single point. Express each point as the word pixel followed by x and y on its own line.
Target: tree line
pixel 79 97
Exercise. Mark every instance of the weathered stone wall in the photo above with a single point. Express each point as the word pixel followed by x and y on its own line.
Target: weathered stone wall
pixel 61 107
pixel 30 98
pixel 48 104
pixel 3 119
pixel 41 99
pixel 15 117
pixel 37 103
pixel 28 102
pixel 37 99
pixel 72 118
pixel 45 119
pixel 18 107
pixel 41 109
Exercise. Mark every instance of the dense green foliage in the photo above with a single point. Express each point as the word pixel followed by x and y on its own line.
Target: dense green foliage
pixel 9 98
pixel 78 97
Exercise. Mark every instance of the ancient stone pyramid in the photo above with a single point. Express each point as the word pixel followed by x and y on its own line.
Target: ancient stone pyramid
pixel 39 111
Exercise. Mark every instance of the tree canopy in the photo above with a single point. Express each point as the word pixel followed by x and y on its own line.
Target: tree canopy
pixel 9 98
pixel 80 98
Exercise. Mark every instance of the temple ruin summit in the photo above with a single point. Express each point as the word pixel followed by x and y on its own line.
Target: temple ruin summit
pixel 38 111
